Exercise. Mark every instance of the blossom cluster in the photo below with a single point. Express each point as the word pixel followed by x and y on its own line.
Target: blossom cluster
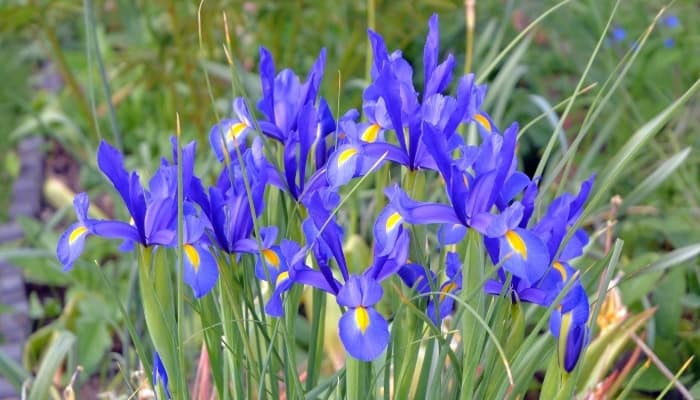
pixel 419 130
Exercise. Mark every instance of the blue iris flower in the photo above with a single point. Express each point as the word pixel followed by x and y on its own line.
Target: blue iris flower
pixel 450 288
pixel 230 133
pixel 226 207
pixel 569 319
pixel 478 179
pixel 153 213
pixel 153 217
pixel 363 330
pixel 294 118
pixel 392 102
pixel 201 270
pixel 72 241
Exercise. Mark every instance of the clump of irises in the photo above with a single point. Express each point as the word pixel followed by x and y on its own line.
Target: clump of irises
pixel 420 131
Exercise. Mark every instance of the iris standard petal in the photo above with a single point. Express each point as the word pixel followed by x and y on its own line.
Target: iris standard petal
pixel 453 265
pixel 431 48
pixel 515 183
pixel 441 77
pixel 360 291
pixel 508 219
pixel 111 163
pixel 574 247
pixel 364 333
pixel 451 233
pixel 201 271
pixel 417 277
pixel 267 76
pixel 81 203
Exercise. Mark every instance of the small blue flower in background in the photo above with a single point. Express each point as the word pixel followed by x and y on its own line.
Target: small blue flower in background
pixel 671 21
pixel 618 34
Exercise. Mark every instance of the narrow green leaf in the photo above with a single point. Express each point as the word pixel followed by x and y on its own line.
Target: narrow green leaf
pixel 634 145
pixel 12 371
pixel 61 344
pixel 659 176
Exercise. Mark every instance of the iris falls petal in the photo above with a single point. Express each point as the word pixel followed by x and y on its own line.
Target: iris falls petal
pixel 201 271
pixel 364 333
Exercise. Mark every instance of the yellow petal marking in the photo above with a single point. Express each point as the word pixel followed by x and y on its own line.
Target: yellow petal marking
pixel 516 243
pixel 362 319
pixel 370 134
pixel 271 258
pixel 283 276
pixel 562 271
pixel 345 155
pixel 393 220
pixel 236 130
pixel 447 289
pixel 481 119
pixel 192 256
pixel 563 336
pixel 76 234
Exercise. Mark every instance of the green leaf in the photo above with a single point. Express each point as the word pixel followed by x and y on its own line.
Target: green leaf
pixel 94 340
pixel 659 176
pixel 61 343
pixel 667 298
pixel 603 351
pixel 12 371
pixel 623 157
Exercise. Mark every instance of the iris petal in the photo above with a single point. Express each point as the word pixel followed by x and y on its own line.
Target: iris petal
pixel 111 164
pixel 524 255
pixel 386 230
pixel 365 341
pixel 70 245
pixel 201 271
pixel 342 165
